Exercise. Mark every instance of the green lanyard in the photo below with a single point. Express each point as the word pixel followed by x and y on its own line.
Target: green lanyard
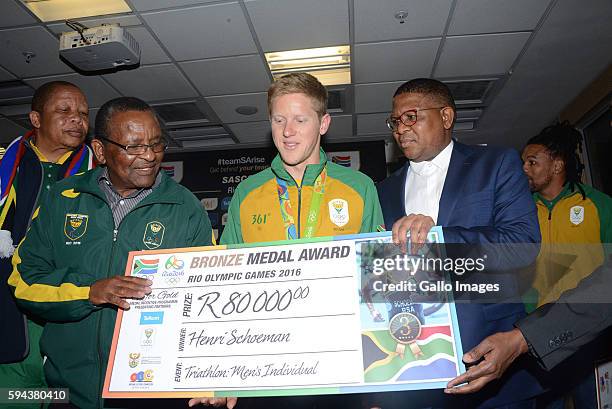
pixel 313 212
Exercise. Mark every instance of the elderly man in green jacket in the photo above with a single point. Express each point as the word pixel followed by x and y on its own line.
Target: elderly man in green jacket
pixel 69 268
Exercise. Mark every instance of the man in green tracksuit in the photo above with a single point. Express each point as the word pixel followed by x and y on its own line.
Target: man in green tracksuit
pixel 574 218
pixel 69 268
pixel 576 226
pixel 53 150
pixel 302 195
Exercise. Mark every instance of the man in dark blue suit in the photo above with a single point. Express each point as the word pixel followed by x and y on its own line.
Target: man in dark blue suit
pixel 480 196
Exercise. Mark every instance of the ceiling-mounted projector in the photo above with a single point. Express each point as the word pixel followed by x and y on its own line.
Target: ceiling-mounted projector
pixel 99 48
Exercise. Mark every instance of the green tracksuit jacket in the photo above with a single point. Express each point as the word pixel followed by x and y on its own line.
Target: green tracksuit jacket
pixel 71 244
pixel 573 228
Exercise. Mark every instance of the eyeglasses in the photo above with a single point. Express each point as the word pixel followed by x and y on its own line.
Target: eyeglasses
pixel 140 149
pixel 408 118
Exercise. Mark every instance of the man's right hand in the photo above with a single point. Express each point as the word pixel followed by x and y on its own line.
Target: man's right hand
pixel 418 225
pixel 114 290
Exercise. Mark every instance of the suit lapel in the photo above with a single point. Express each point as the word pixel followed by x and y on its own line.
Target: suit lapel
pixel 401 200
pixel 455 178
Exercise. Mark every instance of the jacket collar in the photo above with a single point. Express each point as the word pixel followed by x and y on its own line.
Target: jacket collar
pixel 565 192
pixel 460 158
pixel 28 140
pixel 166 192
pixel 20 148
pixel 310 174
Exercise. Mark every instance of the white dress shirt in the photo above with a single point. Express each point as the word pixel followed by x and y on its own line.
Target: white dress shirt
pixel 424 184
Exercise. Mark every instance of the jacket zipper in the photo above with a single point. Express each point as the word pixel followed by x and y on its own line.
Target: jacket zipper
pixel 108 272
pixel 550 238
pixel 549 245
pixel 110 262
pixel 100 359
pixel 299 189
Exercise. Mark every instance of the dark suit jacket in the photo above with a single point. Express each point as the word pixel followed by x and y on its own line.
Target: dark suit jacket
pixel 485 199
pixel 556 331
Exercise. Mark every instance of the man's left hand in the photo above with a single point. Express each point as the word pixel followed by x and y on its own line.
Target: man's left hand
pixel 215 402
pixel 497 352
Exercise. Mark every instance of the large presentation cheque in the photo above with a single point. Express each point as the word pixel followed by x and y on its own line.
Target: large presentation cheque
pixel 287 318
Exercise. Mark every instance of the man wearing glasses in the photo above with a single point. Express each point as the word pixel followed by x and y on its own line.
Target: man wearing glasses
pixel 69 269
pixel 480 196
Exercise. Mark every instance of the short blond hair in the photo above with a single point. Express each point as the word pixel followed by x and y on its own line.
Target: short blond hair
pixel 300 83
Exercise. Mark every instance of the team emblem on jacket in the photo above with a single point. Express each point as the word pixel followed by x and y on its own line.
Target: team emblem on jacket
pixel 577 215
pixel 153 235
pixel 75 225
pixel 338 212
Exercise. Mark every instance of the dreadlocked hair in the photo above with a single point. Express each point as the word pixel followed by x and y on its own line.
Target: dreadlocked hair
pixel 563 141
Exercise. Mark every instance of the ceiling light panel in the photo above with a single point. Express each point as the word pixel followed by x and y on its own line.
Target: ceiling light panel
pixel 331 65
pixel 54 10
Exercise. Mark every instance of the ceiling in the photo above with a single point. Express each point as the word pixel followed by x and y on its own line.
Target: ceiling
pixel 514 65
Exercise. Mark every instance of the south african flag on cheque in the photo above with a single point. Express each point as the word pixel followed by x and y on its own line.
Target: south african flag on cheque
pixel 145 266
pixel 383 364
